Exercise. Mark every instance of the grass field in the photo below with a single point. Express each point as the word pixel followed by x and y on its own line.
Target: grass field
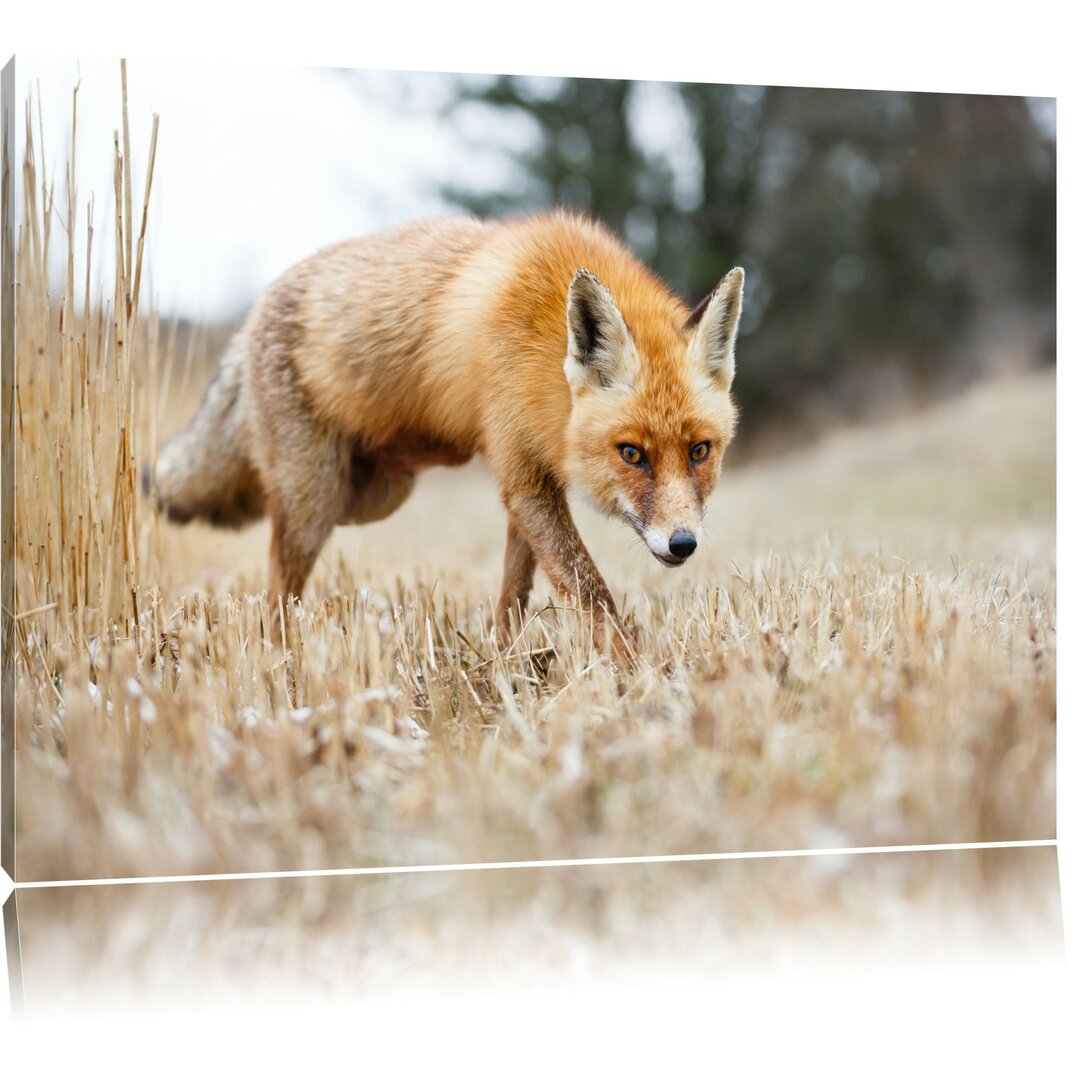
pixel 862 651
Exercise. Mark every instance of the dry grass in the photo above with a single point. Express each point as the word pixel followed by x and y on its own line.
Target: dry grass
pixel 863 652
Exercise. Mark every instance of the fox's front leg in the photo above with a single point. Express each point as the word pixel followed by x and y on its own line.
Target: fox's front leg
pixel 519 569
pixel 543 519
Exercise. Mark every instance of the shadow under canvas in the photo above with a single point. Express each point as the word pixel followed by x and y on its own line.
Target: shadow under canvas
pixel 158 947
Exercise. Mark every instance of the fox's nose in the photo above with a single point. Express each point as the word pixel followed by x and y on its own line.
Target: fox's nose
pixel 682 544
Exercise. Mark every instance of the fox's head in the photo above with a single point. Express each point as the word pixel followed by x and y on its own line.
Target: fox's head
pixel 651 418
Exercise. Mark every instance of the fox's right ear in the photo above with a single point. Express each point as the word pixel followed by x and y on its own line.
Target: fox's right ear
pixel 601 350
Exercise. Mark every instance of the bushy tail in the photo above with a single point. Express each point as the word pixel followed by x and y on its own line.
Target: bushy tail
pixel 205 472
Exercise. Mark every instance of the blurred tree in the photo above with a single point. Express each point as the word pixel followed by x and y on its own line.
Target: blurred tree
pixel 895 243
pixel 585 156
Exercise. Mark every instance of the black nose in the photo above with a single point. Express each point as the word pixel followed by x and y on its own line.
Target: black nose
pixel 682 544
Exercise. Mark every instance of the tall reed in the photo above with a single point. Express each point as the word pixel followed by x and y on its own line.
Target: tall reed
pixel 84 403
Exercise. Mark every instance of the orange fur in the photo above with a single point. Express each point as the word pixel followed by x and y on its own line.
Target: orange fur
pixel 433 342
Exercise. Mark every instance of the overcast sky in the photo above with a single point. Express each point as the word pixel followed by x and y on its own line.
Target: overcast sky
pixel 257 166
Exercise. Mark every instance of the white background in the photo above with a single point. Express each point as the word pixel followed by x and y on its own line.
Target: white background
pixel 938 1023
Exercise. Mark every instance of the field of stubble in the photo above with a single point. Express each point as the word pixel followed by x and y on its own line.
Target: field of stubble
pixel 861 652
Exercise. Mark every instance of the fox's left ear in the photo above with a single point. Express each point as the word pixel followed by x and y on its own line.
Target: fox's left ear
pixel 714 325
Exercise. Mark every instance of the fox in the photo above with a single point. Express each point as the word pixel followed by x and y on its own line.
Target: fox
pixel 541 343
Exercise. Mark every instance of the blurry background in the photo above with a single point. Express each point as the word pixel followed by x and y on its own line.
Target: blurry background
pixel 898 245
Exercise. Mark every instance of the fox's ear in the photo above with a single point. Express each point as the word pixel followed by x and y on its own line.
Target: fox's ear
pixel 714 325
pixel 601 351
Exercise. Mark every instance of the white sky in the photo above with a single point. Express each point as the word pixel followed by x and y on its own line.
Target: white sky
pixel 256 166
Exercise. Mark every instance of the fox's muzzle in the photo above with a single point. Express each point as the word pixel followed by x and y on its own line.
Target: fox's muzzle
pixel 671 550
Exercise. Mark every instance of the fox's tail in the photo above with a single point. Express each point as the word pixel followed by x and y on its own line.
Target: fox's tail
pixel 205 472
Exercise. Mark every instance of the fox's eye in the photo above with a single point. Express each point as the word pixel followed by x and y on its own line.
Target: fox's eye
pixel 631 454
pixel 700 451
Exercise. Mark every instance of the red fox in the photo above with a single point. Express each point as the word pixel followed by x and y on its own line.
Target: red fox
pixel 540 342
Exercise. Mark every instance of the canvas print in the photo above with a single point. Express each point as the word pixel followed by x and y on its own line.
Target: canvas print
pixel 422 469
